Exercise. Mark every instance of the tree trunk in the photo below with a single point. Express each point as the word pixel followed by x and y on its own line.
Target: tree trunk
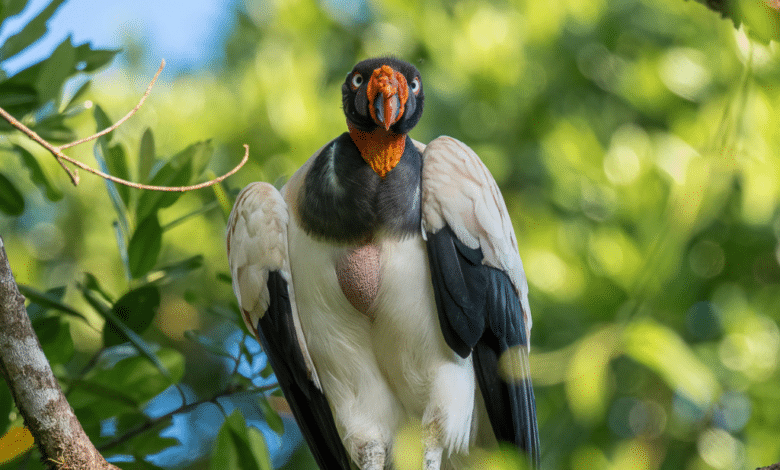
pixel 38 396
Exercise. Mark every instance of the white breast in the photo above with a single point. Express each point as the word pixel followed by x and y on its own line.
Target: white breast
pixel 407 335
pixel 382 364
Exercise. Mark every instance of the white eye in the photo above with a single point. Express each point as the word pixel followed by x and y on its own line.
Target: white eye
pixel 415 85
pixel 356 81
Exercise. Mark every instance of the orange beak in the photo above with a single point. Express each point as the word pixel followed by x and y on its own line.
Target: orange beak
pixel 387 92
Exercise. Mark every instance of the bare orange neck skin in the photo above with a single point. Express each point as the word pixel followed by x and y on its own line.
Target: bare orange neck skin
pixel 381 149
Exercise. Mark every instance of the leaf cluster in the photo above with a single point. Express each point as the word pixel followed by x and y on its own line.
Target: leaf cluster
pixel 111 389
pixel 34 95
pixel 760 17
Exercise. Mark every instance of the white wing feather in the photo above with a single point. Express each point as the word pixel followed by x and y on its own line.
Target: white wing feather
pixel 459 191
pixel 256 246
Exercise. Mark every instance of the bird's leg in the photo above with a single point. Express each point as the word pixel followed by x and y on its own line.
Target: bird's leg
pixel 432 447
pixel 371 455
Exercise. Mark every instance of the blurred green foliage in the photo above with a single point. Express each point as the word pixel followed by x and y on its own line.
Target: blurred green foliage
pixel 636 144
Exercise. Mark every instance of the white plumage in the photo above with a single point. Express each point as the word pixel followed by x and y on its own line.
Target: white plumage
pixel 366 329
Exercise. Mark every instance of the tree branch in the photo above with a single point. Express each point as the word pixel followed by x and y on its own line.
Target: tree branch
pixel 74 177
pixel 150 423
pixel 38 396
pixel 121 121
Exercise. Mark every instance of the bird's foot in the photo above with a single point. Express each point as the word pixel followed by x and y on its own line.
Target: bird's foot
pixel 432 458
pixel 432 447
pixel 372 455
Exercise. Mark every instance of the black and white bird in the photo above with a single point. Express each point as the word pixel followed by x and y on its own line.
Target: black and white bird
pixel 384 283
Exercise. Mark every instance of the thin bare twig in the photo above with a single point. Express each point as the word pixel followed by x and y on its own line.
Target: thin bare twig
pixel 121 121
pixel 152 422
pixel 56 151
pixel 74 177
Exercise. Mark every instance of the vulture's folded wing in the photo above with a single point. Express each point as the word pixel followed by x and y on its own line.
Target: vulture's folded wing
pixel 480 286
pixel 262 282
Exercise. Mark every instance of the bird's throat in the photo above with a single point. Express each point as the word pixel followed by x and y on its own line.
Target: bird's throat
pixel 381 149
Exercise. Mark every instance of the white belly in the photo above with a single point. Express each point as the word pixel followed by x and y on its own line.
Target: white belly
pixel 389 362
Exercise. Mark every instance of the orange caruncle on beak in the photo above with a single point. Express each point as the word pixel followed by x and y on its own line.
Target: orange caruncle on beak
pixel 394 93
pixel 382 148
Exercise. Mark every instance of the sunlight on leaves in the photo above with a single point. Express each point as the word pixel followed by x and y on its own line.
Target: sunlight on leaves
pixel 663 351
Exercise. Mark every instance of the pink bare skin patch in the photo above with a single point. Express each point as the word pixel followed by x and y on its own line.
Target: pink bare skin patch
pixel 358 274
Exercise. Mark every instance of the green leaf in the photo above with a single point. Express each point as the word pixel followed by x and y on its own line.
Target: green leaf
pixel 173 173
pixel 56 342
pixel 37 174
pixel 37 312
pixel 259 448
pixel 244 351
pixel 176 172
pixel 762 20
pixel 89 59
pixel 116 161
pixel 142 346
pixel 14 97
pixel 151 442
pixel 176 271
pixel 147 443
pixel 267 371
pixel 144 246
pixel 13 7
pixel 33 31
pixel 129 421
pixel 76 98
pixel 146 156
pixel 97 302
pixel 102 120
pixel 199 154
pixel 271 416
pixel 662 350
pixel 92 283
pixel 11 200
pixel 106 312
pixel 100 151
pixel 191 296
pixel 94 402
pixel 231 314
pixel 239 382
pixel 121 388
pixel 122 247
pixel 222 198
pixel 207 343
pixel 199 211
pixel 49 300
pixel 301 458
pixel 56 69
pixel 54 129
pixel 136 309
pixel 27 76
pixel 238 446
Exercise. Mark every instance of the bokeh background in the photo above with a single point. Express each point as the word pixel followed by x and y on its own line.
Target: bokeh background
pixel 636 144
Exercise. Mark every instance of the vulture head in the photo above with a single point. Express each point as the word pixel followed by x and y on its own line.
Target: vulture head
pixel 383 94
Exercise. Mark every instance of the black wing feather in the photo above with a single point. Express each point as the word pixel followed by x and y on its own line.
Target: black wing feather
pixel 307 402
pixel 480 314
pixel 459 286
